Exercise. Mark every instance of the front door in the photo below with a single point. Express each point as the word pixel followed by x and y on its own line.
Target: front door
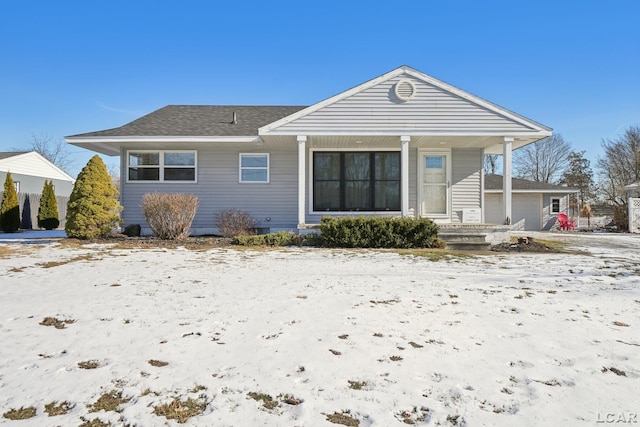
pixel 434 182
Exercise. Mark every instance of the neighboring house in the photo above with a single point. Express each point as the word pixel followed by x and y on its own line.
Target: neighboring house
pixel 401 144
pixel 30 169
pixel 535 205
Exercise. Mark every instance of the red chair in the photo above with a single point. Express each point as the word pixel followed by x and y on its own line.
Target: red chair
pixel 565 222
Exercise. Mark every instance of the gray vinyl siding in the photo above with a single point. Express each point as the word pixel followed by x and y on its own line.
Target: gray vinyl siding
pixel 465 180
pixel 34 184
pixel 218 187
pixel 377 109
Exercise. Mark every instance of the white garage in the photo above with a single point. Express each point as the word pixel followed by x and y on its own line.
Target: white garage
pixel 534 205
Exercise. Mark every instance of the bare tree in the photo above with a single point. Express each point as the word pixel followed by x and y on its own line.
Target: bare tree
pixel 491 163
pixel 620 165
pixel 542 161
pixel 55 150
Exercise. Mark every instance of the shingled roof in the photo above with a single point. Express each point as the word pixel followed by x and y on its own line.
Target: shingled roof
pixel 200 120
pixel 8 154
pixel 494 182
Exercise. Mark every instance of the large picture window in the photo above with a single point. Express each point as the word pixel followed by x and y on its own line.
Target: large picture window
pixel 161 166
pixel 356 181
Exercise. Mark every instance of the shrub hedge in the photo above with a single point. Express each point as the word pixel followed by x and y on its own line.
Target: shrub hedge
pixel 379 232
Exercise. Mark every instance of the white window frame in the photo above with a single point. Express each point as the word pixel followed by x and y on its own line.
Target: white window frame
pixel 16 185
pixel 241 168
pixel 347 213
pixel 559 199
pixel 162 166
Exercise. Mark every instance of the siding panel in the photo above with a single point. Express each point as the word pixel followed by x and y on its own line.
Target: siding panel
pixel 218 188
pixel 465 181
pixel 377 109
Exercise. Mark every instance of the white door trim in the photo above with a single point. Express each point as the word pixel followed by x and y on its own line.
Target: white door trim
pixel 440 218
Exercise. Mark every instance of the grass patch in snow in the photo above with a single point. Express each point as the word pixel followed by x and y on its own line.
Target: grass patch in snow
pixel 434 254
pixel 344 418
pixel 357 385
pixel 58 324
pixel 108 402
pixel 20 414
pixel 267 401
pixel 179 410
pixel 88 364
pixel 51 264
pixel 157 363
pixel 96 422
pixel 55 408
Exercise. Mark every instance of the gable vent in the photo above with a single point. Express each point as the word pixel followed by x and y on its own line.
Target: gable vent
pixel 405 90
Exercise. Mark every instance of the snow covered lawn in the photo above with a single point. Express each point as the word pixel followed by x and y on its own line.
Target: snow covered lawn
pixel 307 337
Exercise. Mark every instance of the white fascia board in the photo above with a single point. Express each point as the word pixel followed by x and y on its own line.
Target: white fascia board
pixel 567 191
pixel 398 132
pixel 125 139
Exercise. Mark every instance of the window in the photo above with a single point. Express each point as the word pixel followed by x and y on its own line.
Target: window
pixel 356 181
pixel 16 184
pixel 254 167
pixel 161 166
pixel 555 205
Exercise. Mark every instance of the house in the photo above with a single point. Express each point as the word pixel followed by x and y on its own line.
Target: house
pixel 30 169
pixel 401 144
pixel 535 205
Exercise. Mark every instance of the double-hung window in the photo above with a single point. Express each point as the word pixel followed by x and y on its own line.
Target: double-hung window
pixel 161 166
pixel 356 181
pixel 555 205
pixel 254 167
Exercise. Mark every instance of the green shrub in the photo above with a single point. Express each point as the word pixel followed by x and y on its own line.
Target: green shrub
pixel 93 209
pixel 10 209
pixel 280 238
pixel 379 232
pixel 233 222
pixel 169 215
pixel 48 210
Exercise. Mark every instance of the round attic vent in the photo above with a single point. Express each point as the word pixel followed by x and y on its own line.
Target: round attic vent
pixel 405 90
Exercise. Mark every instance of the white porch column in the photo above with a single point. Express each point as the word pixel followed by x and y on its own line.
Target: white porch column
pixel 506 178
pixel 404 177
pixel 302 177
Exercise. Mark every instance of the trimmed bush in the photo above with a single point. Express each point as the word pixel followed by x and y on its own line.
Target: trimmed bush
pixel 93 209
pixel 169 215
pixel 48 210
pixel 232 223
pixel 10 208
pixel 280 238
pixel 379 232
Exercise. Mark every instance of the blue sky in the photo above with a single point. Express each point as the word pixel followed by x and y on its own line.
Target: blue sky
pixel 69 67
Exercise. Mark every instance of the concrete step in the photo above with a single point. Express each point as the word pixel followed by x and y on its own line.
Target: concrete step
pixel 469 246
pixel 462 237
pixel 465 241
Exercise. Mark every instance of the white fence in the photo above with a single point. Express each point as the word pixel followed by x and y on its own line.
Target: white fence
pixel 634 215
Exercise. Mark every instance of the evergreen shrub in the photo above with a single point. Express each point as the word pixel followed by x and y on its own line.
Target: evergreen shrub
pixel 48 210
pixel 10 208
pixel 92 210
pixel 379 232
pixel 170 215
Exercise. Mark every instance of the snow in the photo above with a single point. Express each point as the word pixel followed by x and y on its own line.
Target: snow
pixel 496 340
